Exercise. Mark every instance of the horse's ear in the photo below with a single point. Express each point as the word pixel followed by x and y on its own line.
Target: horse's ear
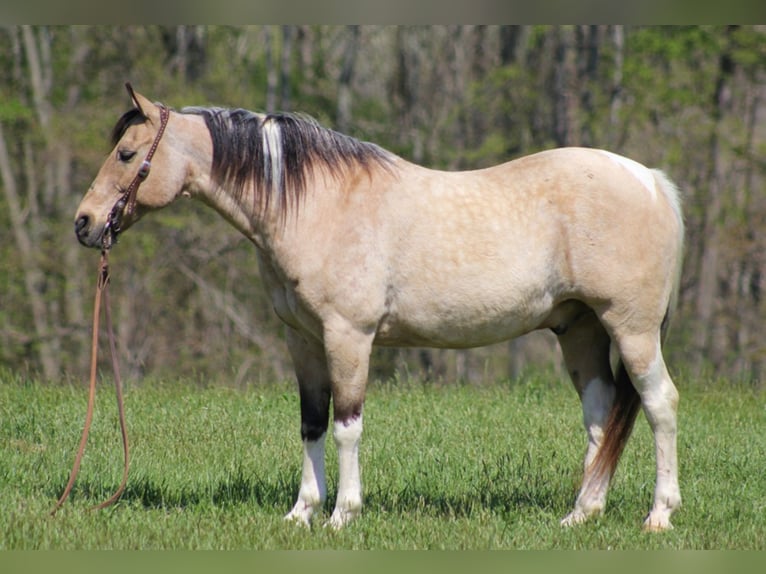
pixel 143 104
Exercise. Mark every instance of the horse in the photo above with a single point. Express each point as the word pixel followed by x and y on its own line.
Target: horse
pixel 358 247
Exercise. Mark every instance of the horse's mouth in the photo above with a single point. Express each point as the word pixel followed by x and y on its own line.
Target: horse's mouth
pixel 87 234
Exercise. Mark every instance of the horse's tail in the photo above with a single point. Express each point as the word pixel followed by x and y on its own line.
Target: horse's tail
pixel 619 425
pixel 673 197
pixel 627 401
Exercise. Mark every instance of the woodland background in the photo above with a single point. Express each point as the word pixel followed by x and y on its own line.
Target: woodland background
pixel 186 293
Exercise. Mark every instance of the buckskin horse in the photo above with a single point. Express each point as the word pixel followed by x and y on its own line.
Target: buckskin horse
pixel 359 247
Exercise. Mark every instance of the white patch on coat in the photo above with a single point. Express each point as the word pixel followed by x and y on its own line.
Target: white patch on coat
pixel 640 172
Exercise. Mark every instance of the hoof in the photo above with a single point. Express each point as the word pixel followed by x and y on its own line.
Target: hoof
pixel 657 524
pixel 341 518
pixel 579 515
pixel 573 519
pixel 300 515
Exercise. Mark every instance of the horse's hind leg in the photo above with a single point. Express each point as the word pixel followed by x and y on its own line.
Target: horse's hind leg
pixel 642 356
pixel 314 388
pixel 585 347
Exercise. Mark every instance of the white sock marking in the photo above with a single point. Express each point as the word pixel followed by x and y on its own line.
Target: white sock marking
pixel 313 489
pixel 349 502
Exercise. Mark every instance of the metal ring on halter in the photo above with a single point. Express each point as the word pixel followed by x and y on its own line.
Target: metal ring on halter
pixel 143 171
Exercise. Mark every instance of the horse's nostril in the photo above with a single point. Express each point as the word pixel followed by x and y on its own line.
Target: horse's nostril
pixel 81 225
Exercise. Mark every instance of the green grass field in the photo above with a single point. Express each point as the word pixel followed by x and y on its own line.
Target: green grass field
pixel 449 467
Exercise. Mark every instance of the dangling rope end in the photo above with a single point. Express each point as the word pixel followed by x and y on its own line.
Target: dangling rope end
pixel 101 292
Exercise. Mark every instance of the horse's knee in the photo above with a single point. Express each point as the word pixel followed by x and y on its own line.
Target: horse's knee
pixel 315 414
pixel 312 430
pixel 642 357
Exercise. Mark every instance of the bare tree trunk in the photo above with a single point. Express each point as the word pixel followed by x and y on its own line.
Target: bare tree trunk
pixel 588 61
pixel 185 45
pixel 182 52
pixel 278 57
pixel 34 278
pixel 286 66
pixel 26 221
pixel 346 77
pixel 710 257
pixel 514 47
pixel 73 288
pixel 234 311
pixel 514 42
pixel 406 90
pixel 305 48
pixel 458 65
pixel 562 86
pixel 749 274
pixel 615 98
pixel 39 72
pixel 271 70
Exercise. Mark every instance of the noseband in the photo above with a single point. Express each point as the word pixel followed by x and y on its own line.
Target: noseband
pixel 126 205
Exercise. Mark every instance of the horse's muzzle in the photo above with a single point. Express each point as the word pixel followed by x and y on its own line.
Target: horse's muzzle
pixel 87 235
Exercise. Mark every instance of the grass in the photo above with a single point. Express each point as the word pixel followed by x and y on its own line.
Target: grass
pixel 449 467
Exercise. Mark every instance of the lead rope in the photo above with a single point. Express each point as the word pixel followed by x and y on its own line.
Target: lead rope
pixel 126 204
pixel 101 292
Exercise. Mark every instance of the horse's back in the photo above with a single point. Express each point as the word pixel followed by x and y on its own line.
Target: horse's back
pixel 486 255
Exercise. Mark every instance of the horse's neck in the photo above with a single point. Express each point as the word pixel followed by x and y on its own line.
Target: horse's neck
pixel 266 228
pixel 195 145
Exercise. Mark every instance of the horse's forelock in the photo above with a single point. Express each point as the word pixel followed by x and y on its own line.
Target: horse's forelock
pixel 129 118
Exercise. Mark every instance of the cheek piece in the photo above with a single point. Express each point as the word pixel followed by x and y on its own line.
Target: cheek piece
pixel 126 205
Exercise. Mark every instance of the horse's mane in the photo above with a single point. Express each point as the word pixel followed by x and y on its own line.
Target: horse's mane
pixel 274 152
pixel 277 152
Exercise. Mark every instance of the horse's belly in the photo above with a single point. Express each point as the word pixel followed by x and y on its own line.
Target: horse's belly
pixel 450 324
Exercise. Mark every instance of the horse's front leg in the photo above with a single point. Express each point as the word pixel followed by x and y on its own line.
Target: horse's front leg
pixel 310 364
pixel 348 355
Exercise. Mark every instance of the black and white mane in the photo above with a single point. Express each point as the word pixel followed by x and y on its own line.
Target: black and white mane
pixel 276 153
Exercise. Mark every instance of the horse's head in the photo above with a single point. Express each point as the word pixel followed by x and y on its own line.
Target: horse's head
pixel 125 187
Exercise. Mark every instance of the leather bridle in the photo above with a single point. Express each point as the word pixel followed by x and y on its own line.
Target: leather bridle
pixel 125 206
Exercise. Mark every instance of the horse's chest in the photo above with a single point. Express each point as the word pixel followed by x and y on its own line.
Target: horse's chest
pixel 285 305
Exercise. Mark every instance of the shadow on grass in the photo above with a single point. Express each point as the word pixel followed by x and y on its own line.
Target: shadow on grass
pixel 157 493
pixel 501 487
pixel 505 484
pixel 279 494
pixel 466 502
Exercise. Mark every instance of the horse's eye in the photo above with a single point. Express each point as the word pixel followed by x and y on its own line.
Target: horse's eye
pixel 125 155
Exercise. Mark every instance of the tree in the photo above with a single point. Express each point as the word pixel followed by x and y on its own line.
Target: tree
pixel 26 196
pixel 690 100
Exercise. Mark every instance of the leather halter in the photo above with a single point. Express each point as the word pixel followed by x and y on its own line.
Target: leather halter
pixel 126 205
